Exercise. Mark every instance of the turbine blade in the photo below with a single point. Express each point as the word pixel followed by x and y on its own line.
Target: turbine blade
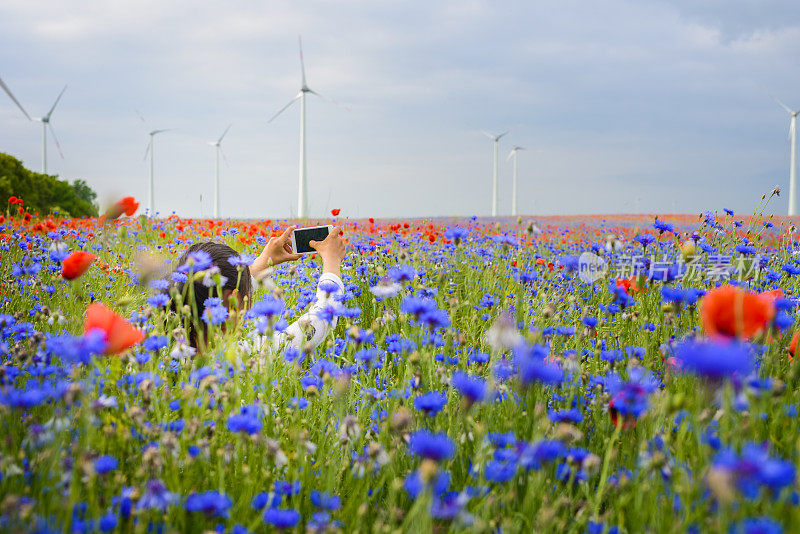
pixel 781 104
pixel 58 145
pixel 47 117
pixel 511 154
pixel 221 137
pixel 140 116
pixel 503 134
pixel 302 63
pixel 146 152
pixel 223 156
pixel 284 108
pixel 487 134
pixel 9 93
pixel 328 99
pixel 156 132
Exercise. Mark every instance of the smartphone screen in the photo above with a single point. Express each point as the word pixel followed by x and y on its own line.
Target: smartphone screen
pixel 303 235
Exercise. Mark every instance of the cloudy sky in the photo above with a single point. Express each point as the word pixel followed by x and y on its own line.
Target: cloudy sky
pixel 623 106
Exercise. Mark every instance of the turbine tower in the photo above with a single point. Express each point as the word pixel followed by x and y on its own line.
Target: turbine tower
pixel 792 161
pixel 150 150
pixel 302 193
pixel 496 139
pixel 218 145
pixel 150 147
pixel 514 154
pixel 45 123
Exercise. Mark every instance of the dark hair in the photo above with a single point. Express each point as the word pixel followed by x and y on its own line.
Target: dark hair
pixel 220 256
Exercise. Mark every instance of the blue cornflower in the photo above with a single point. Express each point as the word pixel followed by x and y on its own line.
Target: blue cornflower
pixel 662 227
pixel 472 388
pixel 417 306
pixel 532 367
pixel 541 452
pixel 499 472
pixel 108 522
pixel 281 519
pixel 155 496
pixel 215 315
pixel 757 525
pixel 328 286
pixel 414 484
pixel 630 398
pixel 456 233
pixel 196 261
pixel 402 273
pixel 212 503
pixel 435 319
pixel 436 447
pixel 487 301
pixel 573 415
pixel 159 284
pixel 104 464
pixel 755 468
pixel 154 343
pixel 159 300
pixel 325 501
pixel 243 260
pixel 282 487
pixel 645 239
pixel 212 301
pixel 431 403
pixel 449 505
pixel 248 420
pixel 714 360
pixel 260 501
pixel 268 306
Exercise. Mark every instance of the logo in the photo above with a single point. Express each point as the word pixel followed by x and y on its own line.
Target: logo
pixel 591 267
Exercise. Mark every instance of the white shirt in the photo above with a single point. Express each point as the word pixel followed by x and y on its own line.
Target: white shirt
pixel 309 327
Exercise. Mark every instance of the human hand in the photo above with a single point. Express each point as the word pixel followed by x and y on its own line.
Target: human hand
pixel 331 250
pixel 277 250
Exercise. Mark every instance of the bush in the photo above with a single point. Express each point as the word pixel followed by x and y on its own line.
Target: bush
pixel 44 193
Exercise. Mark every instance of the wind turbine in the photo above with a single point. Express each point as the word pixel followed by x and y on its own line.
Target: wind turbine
pixel 45 124
pixel 218 145
pixel 514 154
pixel 150 149
pixel 302 195
pixel 792 165
pixel 496 139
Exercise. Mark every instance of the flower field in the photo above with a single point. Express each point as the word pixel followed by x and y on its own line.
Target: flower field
pixel 474 381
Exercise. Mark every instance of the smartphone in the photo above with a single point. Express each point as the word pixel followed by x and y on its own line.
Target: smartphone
pixel 301 237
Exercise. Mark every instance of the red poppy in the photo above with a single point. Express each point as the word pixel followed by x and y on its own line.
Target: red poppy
pixel 12 199
pixel 335 212
pixel 119 333
pixel 76 264
pixel 627 422
pixel 126 205
pixel 371 220
pixel 630 285
pixel 728 311
pixel 793 345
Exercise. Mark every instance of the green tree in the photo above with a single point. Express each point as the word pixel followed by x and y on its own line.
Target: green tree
pixel 45 193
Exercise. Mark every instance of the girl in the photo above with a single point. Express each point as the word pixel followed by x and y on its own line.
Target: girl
pixel 310 329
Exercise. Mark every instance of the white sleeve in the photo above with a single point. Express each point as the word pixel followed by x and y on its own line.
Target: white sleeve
pixel 310 327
